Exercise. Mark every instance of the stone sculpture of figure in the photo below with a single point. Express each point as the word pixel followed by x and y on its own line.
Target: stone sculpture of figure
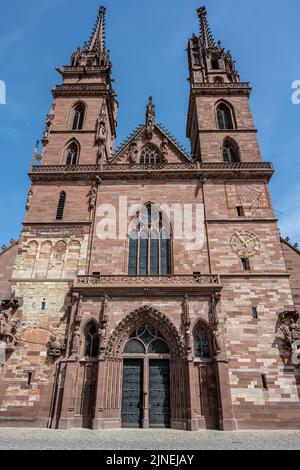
pixel 11 331
pixel 3 322
pixel 133 153
pixel 54 347
pixel 295 329
pixel 285 331
pixel 76 58
pixel 75 340
pixel 101 127
pixel 164 150
pixel 101 154
pixel 92 197
pixel 216 342
pixel 29 197
pixel 150 113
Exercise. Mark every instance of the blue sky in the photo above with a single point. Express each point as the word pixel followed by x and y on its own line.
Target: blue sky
pixel 148 40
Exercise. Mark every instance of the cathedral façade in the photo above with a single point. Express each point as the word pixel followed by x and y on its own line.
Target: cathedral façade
pixel 141 330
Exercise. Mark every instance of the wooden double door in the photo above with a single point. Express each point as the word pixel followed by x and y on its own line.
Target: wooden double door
pixel 146 393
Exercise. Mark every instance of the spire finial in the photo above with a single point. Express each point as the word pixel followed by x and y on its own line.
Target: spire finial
pixel 206 35
pixel 97 39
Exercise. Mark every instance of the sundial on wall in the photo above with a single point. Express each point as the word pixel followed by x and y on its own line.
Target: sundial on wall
pixel 251 197
pixel 245 244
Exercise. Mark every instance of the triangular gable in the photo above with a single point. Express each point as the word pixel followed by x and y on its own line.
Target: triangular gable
pixel 165 143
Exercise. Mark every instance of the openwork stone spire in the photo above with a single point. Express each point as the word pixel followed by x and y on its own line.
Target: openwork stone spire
pixel 206 35
pixel 208 60
pixel 94 51
pixel 97 39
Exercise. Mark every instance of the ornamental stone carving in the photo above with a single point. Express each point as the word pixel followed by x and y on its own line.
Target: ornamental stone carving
pixel 132 321
pixel 54 348
pixel 288 331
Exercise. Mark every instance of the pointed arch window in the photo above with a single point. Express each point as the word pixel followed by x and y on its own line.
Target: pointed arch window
pixel 146 339
pixel 61 206
pixel 150 155
pixel 215 63
pixel 201 344
pixel 230 152
pixel 92 342
pixel 150 243
pixel 72 154
pixel 224 117
pixel 78 119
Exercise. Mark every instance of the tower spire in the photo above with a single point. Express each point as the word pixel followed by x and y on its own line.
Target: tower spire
pixel 94 51
pixel 97 39
pixel 206 35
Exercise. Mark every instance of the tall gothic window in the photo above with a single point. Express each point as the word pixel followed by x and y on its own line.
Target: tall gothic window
pixel 150 243
pixel 224 117
pixel 201 344
pixel 150 155
pixel 78 119
pixel 61 206
pixel 72 154
pixel 92 342
pixel 230 152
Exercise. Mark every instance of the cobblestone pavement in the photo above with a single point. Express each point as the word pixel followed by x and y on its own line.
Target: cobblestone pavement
pixel 38 439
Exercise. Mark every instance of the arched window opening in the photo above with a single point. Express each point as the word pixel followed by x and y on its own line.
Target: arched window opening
pixel 92 342
pixel 150 156
pixel 72 154
pixel 201 344
pixel 224 117
pixel 146 339
pixel 78 119
pixel 150 243
pixel 61 206
pixel 215 65
pixel 230 152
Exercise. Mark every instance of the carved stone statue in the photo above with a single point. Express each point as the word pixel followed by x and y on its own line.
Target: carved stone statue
pixel 150 113
pixel 92 197
pixel 75 340
pixel 216 342
pixel 76 58
pixel 9 328
pixel 133 153
pixel 288 332
pixel 54 348
pixel 164 150
pixel 101 154
pixel 295 329
pixel 29 197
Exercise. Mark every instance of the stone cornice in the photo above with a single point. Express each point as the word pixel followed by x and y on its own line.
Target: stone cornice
pixel 69 71
pixel 243 220
pixel 191 170
pixel 128 285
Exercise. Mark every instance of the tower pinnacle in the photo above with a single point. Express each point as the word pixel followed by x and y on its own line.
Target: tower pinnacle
pixel 94 51
pixel 208 60
pixel 206 35
pixel 97 39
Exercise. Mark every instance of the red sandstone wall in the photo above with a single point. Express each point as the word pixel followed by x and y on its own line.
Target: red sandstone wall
pixel 7 260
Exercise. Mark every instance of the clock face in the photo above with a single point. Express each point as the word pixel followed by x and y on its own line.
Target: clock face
pixel 245 244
